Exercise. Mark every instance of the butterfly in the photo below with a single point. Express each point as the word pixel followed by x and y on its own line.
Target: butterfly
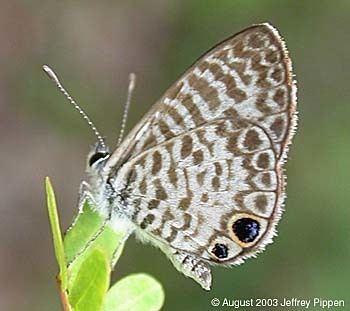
pixel 201 175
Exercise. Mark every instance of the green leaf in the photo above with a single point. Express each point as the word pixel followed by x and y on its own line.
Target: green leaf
pixel 136 292
pixel 85 227
pixel 90 232
pixel 91 283
pixel 91 247
pixel 56 232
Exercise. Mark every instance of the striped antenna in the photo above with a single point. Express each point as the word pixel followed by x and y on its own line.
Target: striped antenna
pixel 132 82
pixel 52 75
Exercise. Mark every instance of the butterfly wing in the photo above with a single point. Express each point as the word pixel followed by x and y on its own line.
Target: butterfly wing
pixel 203 170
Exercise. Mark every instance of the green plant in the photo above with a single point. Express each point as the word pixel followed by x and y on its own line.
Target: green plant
pixel 86 256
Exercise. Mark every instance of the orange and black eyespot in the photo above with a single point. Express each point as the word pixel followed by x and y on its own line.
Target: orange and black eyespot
pixel 246 229
pixel 220 251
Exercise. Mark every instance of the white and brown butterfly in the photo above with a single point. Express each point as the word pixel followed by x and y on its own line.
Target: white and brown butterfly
pixel 200 176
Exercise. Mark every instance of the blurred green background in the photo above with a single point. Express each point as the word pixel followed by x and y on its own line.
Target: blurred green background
pixel 94 46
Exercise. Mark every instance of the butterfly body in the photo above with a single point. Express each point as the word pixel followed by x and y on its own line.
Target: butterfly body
pixel 201 175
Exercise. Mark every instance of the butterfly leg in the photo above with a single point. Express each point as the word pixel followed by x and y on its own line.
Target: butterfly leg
pixel 192 267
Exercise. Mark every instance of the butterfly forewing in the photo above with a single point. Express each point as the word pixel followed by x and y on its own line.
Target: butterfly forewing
pixel 203 170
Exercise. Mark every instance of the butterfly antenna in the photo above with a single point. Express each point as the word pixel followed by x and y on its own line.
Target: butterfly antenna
pixel 132 82
pixel 52 75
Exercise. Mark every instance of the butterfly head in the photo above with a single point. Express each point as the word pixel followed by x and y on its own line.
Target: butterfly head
pixel 95 179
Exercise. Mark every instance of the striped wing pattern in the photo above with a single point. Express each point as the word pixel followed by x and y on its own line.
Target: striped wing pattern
pixel 209 154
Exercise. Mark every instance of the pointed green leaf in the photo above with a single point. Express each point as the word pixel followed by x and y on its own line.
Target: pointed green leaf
pixel 56 232
pixel 90 232
pixel 91 283
pixel 85 227
pixel 137 292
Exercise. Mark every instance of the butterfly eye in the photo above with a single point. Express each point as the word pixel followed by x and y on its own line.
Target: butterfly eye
pixel 97 156
pixel 220 250
pixel 246 229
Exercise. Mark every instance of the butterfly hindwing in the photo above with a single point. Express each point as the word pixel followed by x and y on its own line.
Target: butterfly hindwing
pixel 186 192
